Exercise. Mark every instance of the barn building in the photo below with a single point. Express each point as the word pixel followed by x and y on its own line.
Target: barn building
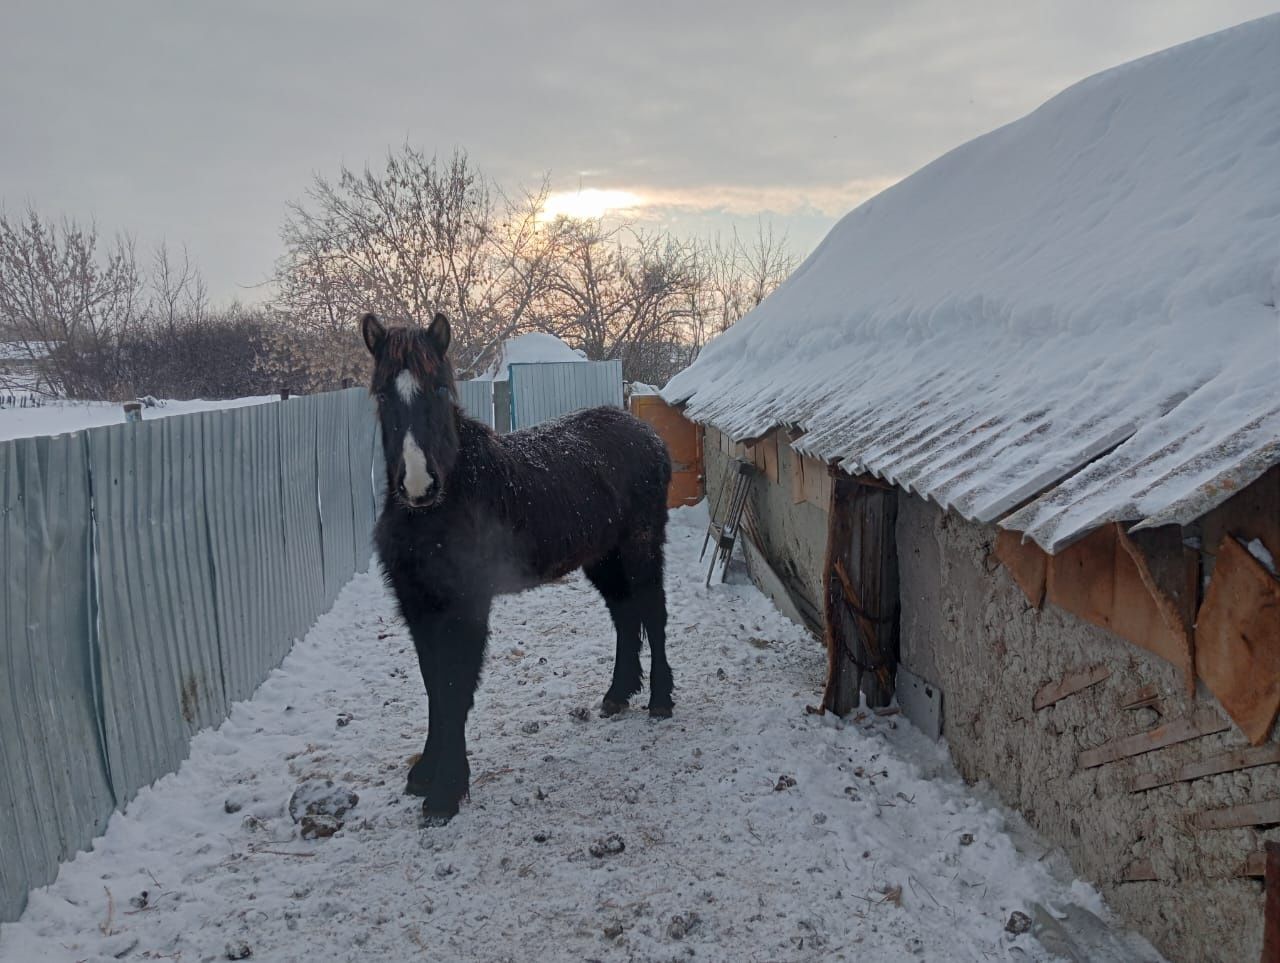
pixel 1014 430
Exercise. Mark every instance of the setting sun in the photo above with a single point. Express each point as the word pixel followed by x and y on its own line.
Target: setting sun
pixel 589 203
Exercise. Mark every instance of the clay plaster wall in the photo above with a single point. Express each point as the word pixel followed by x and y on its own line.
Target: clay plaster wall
pixel 792 536
pixel 967 626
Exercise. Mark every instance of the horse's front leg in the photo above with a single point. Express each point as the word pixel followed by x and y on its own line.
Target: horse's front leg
pixel 451 656
pixel 424 636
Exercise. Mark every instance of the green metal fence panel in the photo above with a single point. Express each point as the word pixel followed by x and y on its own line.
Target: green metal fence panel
pixel 546 390
pixel 300 454
pixel 247 536
pixel 162 679
pixel 336 491
pixel 476 398
pixel 153 573
pixel 55 791
pixel 367 476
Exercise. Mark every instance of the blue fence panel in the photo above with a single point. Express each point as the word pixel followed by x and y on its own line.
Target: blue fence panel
pixel 542 391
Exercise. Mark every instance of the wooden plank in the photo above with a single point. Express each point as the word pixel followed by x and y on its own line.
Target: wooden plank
pixel 1069 684
pixel 1138 871
pixel 1027 563
pixel 1201 722
pixel 1254 865
pixel 1106 579
pixel 1238 640
pixel 797 477
pixel 1234 817
pixel 1252 512
pixel 1141 698
pixel 1176 626
pixel 1230 761
pixel 1271 911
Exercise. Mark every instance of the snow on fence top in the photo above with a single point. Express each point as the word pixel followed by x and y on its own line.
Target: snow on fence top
pixel 1095 284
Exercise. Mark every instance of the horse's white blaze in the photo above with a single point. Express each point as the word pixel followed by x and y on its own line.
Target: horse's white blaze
pixel 407 385
pixel 417 480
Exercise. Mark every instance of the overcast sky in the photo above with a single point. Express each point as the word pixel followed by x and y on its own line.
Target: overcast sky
pixel 197 122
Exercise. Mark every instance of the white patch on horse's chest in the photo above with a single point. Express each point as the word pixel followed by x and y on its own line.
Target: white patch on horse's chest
pixel 407 386
pixel 417 480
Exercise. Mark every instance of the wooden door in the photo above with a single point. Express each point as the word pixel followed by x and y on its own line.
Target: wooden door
pixel 684 442
pixel 861 593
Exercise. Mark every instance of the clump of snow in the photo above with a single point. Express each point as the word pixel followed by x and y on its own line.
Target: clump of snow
pixel 1258 550
pixel 1098 280
pixel 60 417
pixel 743 828
pixel 532 348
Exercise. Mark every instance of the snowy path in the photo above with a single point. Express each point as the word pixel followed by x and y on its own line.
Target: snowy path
pixel 864 857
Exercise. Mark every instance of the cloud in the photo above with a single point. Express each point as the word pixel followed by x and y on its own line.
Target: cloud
pixel 198 122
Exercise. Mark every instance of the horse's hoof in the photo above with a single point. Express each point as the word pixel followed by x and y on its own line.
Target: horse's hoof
pixel 433 818
pixel 660 712
pixel 611 707
pixel 415 787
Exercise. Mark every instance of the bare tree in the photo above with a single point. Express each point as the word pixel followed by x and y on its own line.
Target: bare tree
pixel 67 301
pixel 737 275
pixel 419 236
pixel 623 293
pixel 178 291
pixel 422 235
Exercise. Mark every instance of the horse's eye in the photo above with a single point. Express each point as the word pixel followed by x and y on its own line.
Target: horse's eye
pixel 443 391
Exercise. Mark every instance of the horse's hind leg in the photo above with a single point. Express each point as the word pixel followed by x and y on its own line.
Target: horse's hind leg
pixel 641 555
pixel 643 562
pixel 609 578
pixel 653 615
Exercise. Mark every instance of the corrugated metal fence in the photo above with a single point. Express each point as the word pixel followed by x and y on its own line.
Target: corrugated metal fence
pixel 476 398
pixel 153 574
pixel 545 390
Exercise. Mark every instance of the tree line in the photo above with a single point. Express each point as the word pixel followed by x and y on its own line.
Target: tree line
pixel 421 234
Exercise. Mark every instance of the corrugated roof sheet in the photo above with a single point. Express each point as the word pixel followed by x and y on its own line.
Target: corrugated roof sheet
pixel 1068 321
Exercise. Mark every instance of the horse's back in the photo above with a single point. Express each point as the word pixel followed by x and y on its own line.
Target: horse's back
pixel 583 483
pixel 594 440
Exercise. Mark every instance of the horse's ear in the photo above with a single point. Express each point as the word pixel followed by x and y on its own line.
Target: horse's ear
pixel 439 332
pixel 374 333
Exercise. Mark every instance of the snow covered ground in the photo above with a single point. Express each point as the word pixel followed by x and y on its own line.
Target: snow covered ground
pixel 753 830
pixel 60 417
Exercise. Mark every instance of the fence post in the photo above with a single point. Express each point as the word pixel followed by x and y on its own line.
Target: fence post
pixel 133 411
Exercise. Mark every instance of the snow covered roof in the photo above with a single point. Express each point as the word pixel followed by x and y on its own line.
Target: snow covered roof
pixel 1067 321
pixel 534 347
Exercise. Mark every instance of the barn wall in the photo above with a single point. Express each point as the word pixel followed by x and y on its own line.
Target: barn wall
pixel 792 536
pixel 967 627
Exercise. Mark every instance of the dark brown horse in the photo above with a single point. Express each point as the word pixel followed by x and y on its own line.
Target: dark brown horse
pixel 470 515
